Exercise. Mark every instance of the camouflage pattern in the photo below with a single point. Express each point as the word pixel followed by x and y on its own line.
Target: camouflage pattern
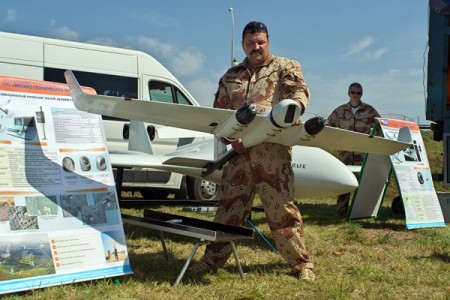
pixel 342 204
pixel 363 121
pixel 280 79
pixel 264 169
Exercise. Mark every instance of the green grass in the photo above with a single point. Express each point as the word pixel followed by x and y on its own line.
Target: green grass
pixel 363 259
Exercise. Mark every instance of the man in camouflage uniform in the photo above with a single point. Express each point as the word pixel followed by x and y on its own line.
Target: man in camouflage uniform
pixel 356 116
pixel 265 169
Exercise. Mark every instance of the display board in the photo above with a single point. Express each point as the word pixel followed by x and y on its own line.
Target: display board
pixel 59 215
pixel 414 179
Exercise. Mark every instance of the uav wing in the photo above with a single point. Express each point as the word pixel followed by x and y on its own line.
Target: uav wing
pixel 275 126
pixel 190 117
pixel 332 138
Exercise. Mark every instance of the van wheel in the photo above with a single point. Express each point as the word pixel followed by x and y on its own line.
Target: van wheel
pixel 203 190
pixel 397 206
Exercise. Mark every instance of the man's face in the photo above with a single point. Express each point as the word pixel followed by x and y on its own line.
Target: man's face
pixel 355 94
pixel 256 47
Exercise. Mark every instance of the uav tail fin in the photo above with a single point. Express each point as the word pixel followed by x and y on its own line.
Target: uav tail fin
pixel 139 139
pixel 404 135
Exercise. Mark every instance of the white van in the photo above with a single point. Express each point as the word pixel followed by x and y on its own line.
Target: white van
pixel 110 71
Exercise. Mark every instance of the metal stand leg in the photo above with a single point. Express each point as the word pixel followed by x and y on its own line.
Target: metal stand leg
pixel 186 264
pixel 119 179
pixel 262 236
pixel 166 254
pixel 238 263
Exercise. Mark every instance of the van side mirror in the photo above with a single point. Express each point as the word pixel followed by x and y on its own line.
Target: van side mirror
pixel 151 131
pixel 126 131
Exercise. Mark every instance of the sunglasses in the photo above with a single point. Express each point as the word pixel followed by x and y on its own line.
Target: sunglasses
pixel 357 93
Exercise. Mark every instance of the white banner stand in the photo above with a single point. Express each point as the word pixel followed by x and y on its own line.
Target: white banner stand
pixel 372 186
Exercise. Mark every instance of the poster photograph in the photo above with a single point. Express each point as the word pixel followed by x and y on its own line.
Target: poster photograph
pixel 59 214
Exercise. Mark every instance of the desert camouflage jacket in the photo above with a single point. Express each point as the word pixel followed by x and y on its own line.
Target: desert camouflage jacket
pixel 279 79
pixel 362 121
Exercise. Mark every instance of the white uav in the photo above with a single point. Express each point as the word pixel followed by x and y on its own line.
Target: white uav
pixel 317 172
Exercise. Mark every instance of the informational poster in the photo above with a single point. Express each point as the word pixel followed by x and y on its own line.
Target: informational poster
pixel 413 174
pixel 59 215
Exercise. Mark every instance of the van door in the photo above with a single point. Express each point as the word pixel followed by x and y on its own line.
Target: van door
pixel 161 90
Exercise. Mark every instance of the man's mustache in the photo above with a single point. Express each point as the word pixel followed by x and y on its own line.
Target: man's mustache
pixel 256 51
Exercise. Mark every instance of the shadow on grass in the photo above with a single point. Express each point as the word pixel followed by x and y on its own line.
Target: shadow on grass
pixel 156 267
pixel 325 215
pixel 33 293
pixel 441 256
pixel 445 257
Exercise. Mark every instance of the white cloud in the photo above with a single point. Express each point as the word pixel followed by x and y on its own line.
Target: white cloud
pixel 361 49
pixel 203 90
pixel 378 53
pixel 187 62
pixel 11 15
pixel 155 47
pixel 103 41
pixel 400 93
pixel 360 45
pixel 183 62
pixel 65 33
pixel 155 19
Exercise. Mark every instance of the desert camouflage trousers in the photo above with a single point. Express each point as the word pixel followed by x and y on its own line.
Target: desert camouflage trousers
pixel 265 170
pixel 342 204
pixel 348 158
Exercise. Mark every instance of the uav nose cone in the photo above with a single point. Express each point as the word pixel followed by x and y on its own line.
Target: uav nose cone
pixel 320 174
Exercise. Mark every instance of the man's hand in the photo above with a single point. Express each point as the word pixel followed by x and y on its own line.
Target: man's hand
pixel 225 141
pixel 298 122
pixel 238 146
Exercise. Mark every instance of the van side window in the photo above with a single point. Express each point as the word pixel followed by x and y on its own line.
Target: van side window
pixel 164 92
pixel 160 92
pixel 104 84
pixel 182 99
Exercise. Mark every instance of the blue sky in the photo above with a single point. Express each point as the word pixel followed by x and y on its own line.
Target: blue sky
pixel 381 44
